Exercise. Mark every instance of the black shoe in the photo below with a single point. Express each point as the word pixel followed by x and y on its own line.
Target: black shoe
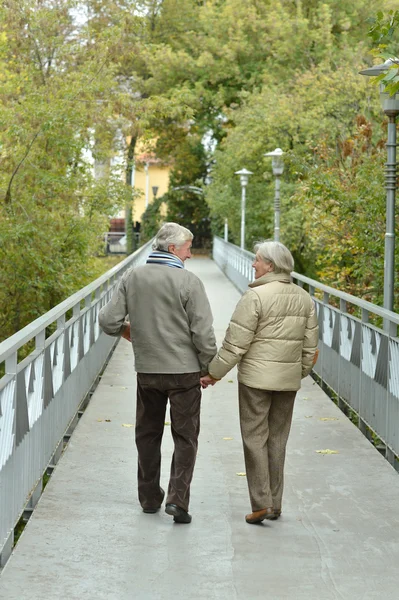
pixel 179 514
pixel 153 509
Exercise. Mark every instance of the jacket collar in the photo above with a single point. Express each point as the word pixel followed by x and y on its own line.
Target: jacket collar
pixel 269 277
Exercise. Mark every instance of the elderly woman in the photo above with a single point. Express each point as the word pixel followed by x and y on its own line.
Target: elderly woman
pixel 273 336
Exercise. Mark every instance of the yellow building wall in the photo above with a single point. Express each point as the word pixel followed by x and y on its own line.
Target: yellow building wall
pixel 157 175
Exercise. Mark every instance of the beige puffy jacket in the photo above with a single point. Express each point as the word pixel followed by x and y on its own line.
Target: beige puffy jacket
pixel 272 335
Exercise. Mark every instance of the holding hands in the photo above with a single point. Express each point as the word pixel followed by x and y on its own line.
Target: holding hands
pixel 126 332
pixel 208 380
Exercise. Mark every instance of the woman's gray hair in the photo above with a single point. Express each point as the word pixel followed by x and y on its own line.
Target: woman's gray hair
pixel 171 234
pixel 277 254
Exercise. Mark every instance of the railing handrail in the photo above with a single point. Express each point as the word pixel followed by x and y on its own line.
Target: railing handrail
pixel 364 304
pixel 21 337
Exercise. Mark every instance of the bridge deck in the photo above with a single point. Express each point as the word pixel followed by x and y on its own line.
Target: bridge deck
pixel 88 539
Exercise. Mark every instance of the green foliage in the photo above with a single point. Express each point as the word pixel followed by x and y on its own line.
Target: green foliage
pixel 383 28
pixel 53 114
pixel 343 194
pixel 318 104
pixel 190 210
pixel 384 34
pixel 151 220
pixel 245 76
pixel 185 199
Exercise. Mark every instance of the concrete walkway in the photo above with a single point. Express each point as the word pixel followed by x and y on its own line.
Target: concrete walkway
pixel 338 537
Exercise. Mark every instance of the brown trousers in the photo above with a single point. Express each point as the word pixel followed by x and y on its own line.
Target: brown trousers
pixel 184 393
pixel 265 420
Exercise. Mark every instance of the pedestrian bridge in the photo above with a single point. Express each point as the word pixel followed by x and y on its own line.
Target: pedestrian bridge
pixel 338 537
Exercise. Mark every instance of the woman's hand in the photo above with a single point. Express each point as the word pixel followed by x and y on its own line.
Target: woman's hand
pixel 207 380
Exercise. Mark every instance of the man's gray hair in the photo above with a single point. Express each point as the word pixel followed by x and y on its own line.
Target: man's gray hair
pixel 171 234
pixel 277 254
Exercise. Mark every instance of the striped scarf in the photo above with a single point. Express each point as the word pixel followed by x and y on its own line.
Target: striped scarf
pixel 160 257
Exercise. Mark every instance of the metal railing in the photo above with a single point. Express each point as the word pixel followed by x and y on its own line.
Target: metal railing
pixel 40 395
pixel 358 362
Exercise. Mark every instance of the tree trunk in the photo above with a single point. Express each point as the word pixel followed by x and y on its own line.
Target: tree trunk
pixel 130 238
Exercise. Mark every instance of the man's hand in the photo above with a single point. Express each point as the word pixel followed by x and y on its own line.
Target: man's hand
pixel 207 380
pixel 316 356
pixel 126 332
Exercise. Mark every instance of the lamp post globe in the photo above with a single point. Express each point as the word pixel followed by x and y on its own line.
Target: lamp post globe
pixel 390 106
pixel 278 170
pixel 244 176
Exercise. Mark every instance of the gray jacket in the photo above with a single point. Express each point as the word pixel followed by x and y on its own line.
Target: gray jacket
pixel 170 319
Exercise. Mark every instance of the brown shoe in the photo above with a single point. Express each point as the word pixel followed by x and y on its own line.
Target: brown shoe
pixel 276 515
pixel 259 515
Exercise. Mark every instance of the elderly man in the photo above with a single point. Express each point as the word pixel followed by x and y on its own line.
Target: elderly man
pixel 173 341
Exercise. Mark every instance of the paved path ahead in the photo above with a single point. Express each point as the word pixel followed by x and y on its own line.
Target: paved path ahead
pixel 338 537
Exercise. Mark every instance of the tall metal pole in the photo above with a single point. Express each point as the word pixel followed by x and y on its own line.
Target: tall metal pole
pixel 277 211
pixel 244 174
pixel 390 106
pixel 242 216
pixel 390 186
pixel 226 230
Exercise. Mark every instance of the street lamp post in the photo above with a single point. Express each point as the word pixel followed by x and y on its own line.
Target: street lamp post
pixel 278 170
pixel 244 175
pixel 390 106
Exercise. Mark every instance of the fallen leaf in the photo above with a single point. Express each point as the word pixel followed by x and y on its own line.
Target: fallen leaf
pixel 100 420
pixel 308 416
pixel 108 420
pixel 167 422
pixel 230 381
pixel 241 474
pixel 305 398
pixel 127 425
pixel 328 419
pixel 227 438
pixel 327 451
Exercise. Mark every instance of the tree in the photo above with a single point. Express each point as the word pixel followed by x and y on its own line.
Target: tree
pixel 320 103
pixel 343 195
pixel 151 220
pixel 246 77
pixel 57 108
pixel 185 198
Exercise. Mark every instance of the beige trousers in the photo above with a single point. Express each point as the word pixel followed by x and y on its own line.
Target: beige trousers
pixel 265 420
